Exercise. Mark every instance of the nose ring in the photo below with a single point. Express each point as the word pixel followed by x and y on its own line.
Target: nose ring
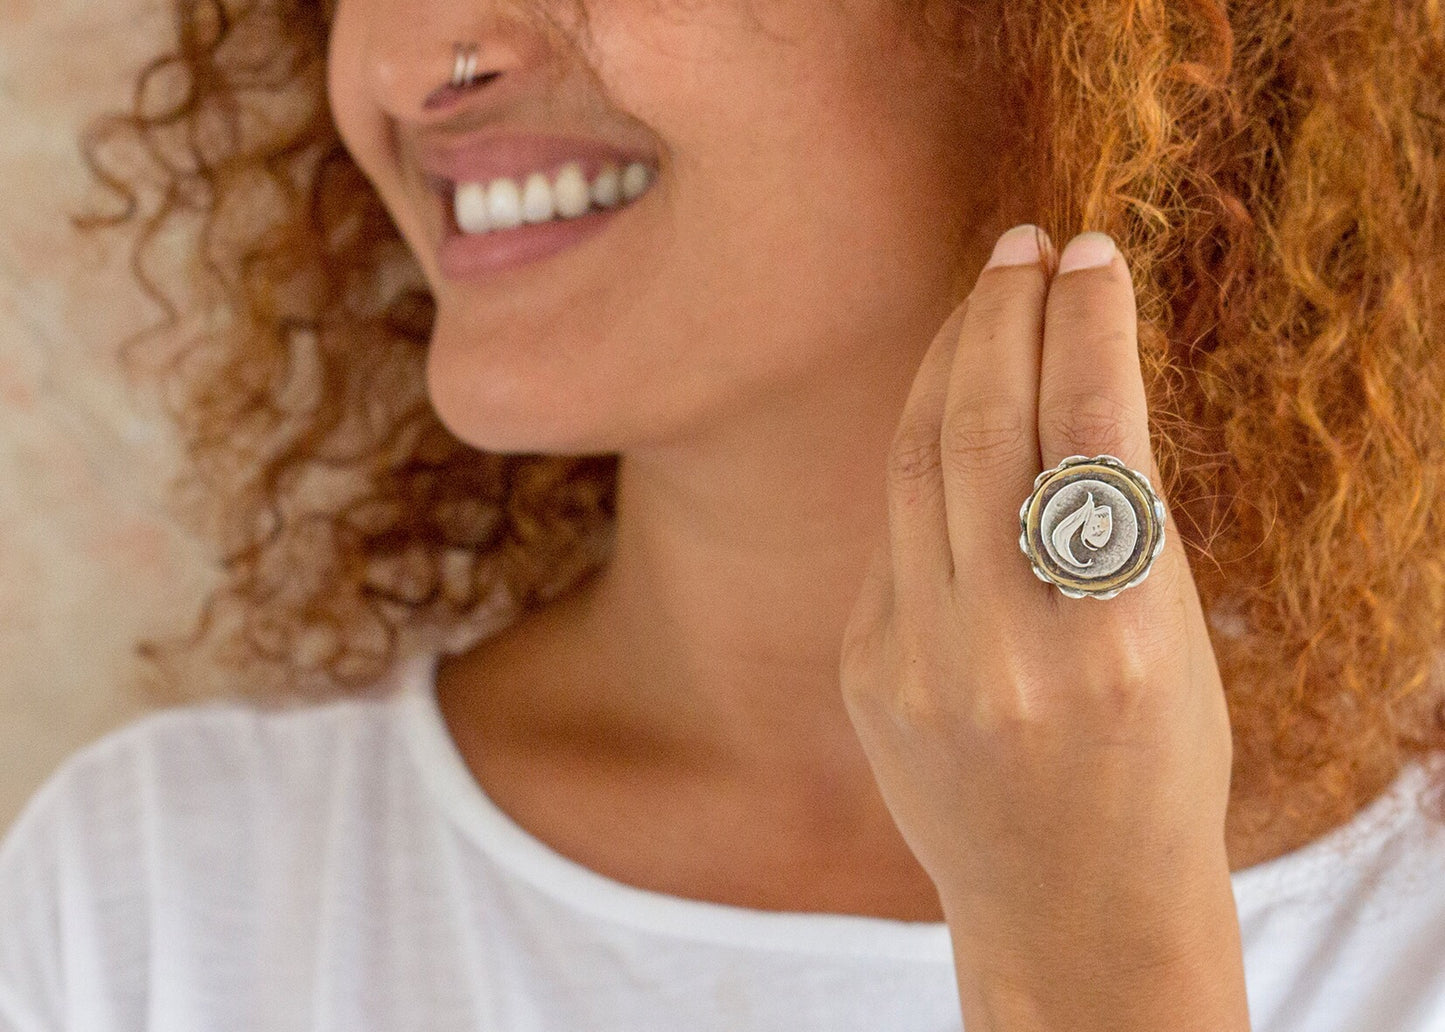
pixel 464 66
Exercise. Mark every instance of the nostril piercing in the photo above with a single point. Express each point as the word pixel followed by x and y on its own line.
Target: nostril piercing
pixel 464 64
pixel 464 75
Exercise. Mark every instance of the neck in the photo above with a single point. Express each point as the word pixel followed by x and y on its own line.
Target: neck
pixel 718 618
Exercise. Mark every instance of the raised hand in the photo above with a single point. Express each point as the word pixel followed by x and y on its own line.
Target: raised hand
pixel 1059 766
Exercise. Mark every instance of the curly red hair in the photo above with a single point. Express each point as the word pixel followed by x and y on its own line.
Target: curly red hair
pixel 1273 171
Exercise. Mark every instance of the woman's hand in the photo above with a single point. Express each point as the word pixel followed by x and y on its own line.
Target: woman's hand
pixel 1059 766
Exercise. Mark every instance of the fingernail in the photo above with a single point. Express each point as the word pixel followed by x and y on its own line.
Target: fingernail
pixel 1019 246
pixel 1087 251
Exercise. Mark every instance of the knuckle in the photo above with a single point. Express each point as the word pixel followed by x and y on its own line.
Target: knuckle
pixel 1003 713
pixel 916 701
pixel 1121 696
pixel 914 456
pixel 986 434
pixel 1120 686
pixel 1009 704
pixel 1125 709
pixel 1108 340
pixel 1088 303
pixel 1000 289
pixel 1112 691
pixel 859 679
pixel 1089 423
pixel 918 709
pixel 992 298
pixel 859 653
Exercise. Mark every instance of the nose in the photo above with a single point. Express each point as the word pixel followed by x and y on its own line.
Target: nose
pixel 423 56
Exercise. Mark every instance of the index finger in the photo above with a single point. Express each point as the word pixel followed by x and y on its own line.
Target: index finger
pixel 917 523
pixel 990 429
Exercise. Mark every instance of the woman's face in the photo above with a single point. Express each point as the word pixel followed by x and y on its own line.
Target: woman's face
pixel 817 168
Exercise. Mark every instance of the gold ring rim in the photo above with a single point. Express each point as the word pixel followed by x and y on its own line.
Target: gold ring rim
pixel 1148 509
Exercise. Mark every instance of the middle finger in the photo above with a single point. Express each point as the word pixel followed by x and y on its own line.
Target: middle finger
pixel 1091 392
pixel 989 440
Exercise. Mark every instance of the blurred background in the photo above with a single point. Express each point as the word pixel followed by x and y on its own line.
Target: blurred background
pixel 89 560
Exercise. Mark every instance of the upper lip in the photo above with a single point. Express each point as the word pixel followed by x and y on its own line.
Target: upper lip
pixel 513 155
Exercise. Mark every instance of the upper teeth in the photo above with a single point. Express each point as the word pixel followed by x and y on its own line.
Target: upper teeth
pixel 503 203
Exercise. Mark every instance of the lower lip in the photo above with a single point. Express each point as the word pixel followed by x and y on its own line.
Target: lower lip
pixel 473 255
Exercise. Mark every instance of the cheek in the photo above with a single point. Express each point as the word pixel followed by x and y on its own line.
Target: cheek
pixel 803 180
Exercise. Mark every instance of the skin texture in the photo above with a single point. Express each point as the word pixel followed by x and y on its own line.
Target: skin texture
pixel 753 400
pixel 747 336
pixel 1066 787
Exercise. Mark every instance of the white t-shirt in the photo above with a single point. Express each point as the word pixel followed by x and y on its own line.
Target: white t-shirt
pixel 336 868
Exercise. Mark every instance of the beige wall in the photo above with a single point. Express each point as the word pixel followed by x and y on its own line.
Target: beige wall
pixel 88 560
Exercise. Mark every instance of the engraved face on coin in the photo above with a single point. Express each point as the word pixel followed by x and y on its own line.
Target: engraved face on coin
pixel 1091 526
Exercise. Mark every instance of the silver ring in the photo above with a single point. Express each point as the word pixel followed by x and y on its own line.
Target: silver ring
pixel 1091 526
pixel 464 65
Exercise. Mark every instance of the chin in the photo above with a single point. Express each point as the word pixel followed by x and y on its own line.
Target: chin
pixel 513 406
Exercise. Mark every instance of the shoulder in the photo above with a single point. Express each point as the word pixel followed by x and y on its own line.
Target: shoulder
pixel 180 788
pixel 172 760
pixel 179 816
pixel 183 766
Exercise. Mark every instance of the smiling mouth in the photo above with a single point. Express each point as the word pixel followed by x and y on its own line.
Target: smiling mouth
pixel 514 242
pixel 572 190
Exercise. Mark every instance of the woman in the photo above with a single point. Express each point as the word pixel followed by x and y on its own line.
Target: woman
pixel 737 398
